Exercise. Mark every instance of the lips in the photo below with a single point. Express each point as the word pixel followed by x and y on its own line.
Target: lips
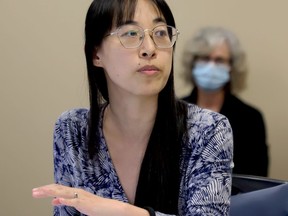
pixel 149 70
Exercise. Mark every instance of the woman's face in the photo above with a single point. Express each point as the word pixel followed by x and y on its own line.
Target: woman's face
pixel 212 72
pixel 141 71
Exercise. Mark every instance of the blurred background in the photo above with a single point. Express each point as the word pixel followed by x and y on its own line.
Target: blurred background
pixel 43 73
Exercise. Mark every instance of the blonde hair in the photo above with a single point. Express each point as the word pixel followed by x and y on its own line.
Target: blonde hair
pixel 203 43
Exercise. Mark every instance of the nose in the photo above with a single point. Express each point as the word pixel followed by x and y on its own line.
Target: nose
pixel 148 47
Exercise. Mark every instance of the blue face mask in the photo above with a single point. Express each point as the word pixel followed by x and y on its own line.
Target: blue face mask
pixel 210 76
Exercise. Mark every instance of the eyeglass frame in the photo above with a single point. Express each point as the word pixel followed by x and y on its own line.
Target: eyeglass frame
pixel 216 60
pixel 144 30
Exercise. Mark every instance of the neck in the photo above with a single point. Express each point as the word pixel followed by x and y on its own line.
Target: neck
pixel 132 121
pixel 211 100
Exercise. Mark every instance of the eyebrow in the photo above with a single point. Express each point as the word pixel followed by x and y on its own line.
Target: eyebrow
pixel 155 21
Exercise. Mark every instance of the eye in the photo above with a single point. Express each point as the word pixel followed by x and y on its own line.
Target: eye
pixel 161 33
pixel 130 33
pixel 204 58
pixel 220 60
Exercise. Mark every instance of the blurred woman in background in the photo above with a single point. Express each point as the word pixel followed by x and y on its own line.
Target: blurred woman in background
pixel 216 66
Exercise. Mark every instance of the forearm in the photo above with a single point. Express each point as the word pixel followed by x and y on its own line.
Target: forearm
pixel 130 210
pixel 125 209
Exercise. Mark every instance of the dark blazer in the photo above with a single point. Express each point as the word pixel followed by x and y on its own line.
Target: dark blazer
pixel 250 147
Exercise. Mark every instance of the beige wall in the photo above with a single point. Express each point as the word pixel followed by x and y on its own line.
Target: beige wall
pixel 43 73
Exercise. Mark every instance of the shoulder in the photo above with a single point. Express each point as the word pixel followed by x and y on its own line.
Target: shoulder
pixel 77 115
pixel 71 123
pixel 203 118
pixel 236 101
pixel 243 107
pixel 208 131
pixel 70 130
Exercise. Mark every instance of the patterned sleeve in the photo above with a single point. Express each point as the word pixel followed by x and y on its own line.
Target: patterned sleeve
pixel 206 186
pixel 63 170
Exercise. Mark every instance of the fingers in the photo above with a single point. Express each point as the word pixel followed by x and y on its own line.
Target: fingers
pixel 66 202
pixel 42 192
pixel 63 195
pixel 56 202
pixel 55 190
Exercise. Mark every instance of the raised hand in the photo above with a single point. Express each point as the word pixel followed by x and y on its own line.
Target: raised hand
pixel 86 202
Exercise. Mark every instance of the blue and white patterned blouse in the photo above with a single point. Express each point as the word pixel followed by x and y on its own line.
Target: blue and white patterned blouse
pixel 206 163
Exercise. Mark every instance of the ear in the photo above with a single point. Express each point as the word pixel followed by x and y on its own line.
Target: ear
pixel 96 59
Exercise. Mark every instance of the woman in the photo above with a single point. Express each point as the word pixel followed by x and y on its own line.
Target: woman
pixel 216 63
pixel 137 150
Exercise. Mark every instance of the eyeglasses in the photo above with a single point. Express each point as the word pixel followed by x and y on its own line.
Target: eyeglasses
pixel 217 60
pixel 132 36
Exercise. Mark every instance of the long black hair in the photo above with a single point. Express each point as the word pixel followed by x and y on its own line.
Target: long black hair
pixel 158 184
